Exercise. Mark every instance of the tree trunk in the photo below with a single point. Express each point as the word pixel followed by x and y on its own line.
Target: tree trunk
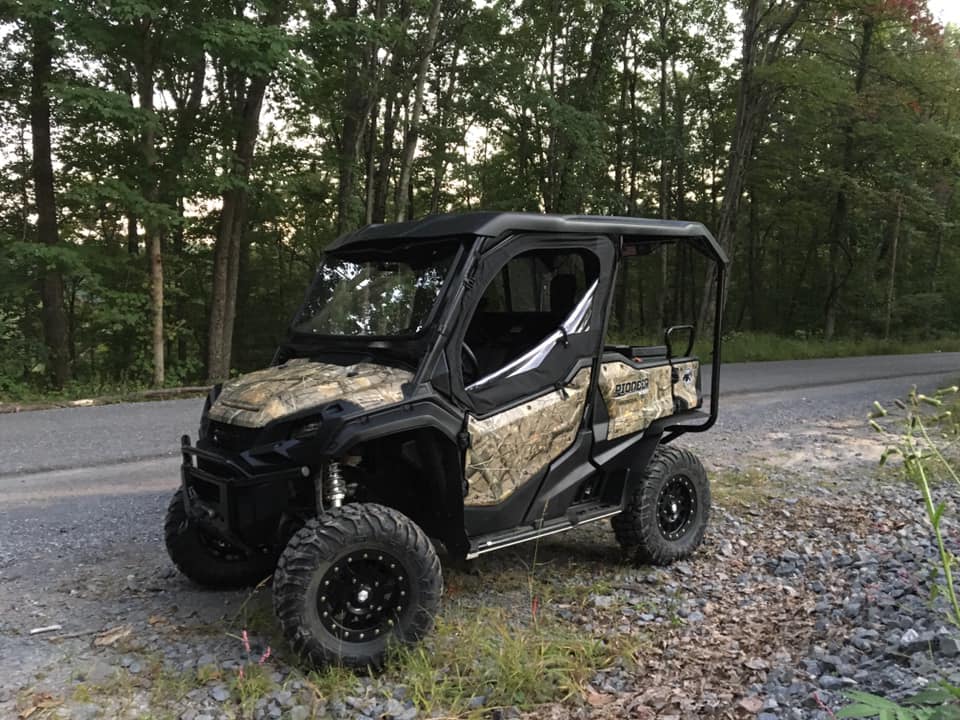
pixel 391 117
pixel 839 226
pixel 892 277
pixel 232 223
pixel 382 182
pixel 753 101
pixel 226 253
pixel 357 107
pixel 619 130
pixel 133 235
pixel 663 199
pixel 51 279
pixel 413 129
pixel 153 230
pixel 170 181
pixel 444 101
pixel 371 164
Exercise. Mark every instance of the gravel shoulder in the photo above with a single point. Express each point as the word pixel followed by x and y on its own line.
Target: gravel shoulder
pixel 814 578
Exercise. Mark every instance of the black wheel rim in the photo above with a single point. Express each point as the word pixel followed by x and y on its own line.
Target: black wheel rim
pixel 676 507
pixel 362 595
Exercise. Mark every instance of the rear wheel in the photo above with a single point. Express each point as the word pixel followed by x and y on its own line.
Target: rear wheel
pixel 666 516
pixel 353 581
pixel 207 559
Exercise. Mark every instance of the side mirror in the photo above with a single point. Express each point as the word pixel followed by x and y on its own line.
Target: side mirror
pixel 679 328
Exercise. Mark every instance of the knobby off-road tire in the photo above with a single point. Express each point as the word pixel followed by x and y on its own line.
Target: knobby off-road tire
pixel 666 516
pixel 353 581
pixel 205 560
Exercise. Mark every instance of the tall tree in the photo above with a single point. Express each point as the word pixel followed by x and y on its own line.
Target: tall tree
pixel 233 215
pixel 51 279
pixel 413 126
pixel 767 25
pixel 145 65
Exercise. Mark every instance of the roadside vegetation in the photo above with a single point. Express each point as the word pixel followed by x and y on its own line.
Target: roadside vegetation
pixel 757 347
pixel 925 443
pixel 737 347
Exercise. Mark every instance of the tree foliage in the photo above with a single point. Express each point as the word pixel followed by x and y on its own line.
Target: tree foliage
pixel 203 153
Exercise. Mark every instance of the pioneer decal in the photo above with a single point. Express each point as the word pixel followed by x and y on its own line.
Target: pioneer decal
pixel 636 397
pixel 641 386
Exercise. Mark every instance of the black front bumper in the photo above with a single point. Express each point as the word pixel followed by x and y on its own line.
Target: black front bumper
pixel 240 503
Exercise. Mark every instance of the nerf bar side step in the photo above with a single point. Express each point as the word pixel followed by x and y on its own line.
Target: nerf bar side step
pixel 575 516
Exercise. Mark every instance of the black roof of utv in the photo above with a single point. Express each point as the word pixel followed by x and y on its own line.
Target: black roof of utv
pixel 496 224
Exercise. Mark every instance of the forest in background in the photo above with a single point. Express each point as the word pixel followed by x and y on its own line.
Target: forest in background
pixel 171 171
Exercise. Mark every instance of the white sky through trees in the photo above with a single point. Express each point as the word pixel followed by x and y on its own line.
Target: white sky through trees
pixel 946 11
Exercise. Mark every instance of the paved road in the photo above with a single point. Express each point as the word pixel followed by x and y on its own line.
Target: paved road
pixel 71 441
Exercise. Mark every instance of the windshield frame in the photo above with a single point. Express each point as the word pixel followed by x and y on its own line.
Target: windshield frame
pixel 388 251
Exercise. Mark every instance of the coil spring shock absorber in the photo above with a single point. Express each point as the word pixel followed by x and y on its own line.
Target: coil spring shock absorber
pixel 335 490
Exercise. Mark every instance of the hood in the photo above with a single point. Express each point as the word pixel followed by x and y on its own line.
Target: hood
pixel 255 399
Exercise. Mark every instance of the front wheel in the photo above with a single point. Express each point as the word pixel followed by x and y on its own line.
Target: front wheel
pixel 352 581
pixel 207 559
pixel 666 515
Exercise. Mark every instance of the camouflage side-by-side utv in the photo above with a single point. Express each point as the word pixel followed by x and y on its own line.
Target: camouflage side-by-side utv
pixel 449 380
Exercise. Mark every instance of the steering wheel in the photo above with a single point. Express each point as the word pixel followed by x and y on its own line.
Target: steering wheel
pixel 474 368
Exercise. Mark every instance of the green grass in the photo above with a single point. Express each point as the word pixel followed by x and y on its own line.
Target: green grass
pixel 484 654
pixel 752 347
pixel 744 488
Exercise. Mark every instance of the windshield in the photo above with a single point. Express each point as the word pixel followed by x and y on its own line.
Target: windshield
pixel 376 292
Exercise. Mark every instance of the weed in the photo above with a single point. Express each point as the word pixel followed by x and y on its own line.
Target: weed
pixel 923 451
pixel 208 673
pixel 331 681
pixel 251 683
pixel 168 686
pixel 920 454
pixel 743 488
pixel 253 680
pixel 543 662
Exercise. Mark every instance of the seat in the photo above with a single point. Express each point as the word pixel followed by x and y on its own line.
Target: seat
pixel 563 295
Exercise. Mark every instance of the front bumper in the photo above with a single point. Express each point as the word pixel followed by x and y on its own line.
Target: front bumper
pixel 236 501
